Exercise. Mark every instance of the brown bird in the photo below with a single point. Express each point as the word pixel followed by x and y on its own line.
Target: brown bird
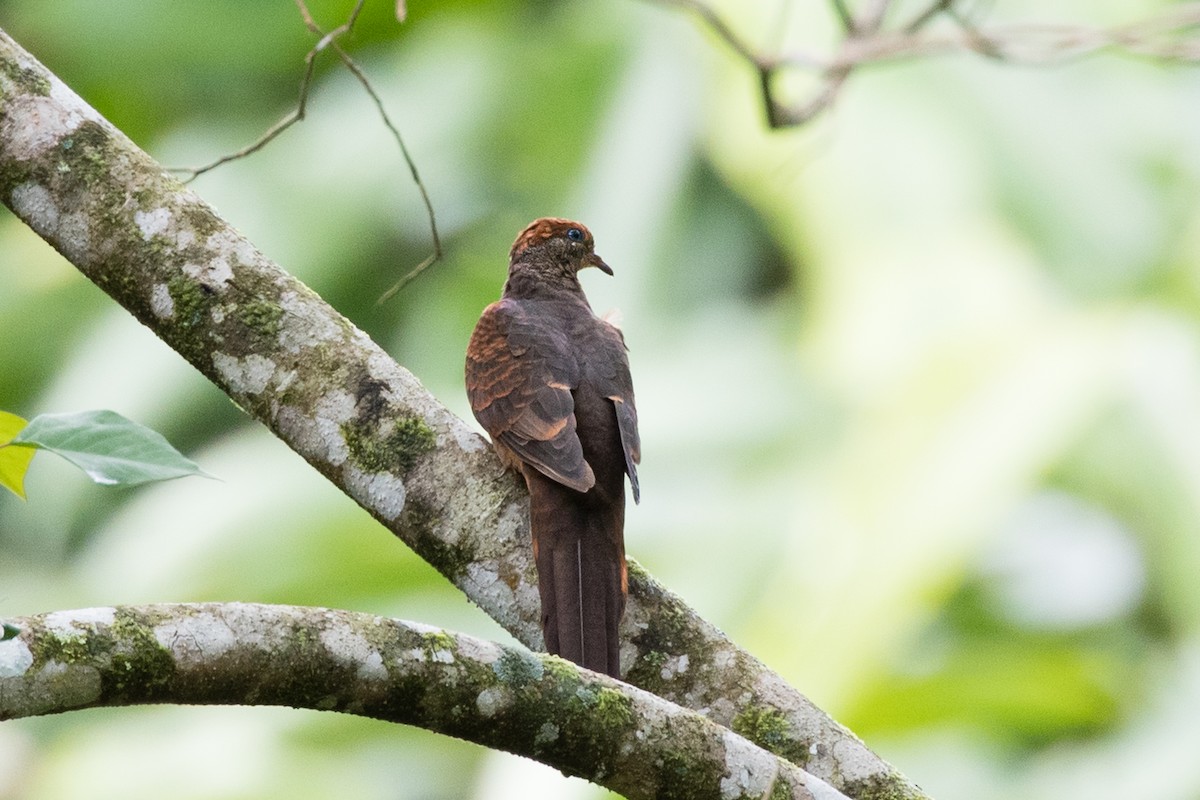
pixel 549 381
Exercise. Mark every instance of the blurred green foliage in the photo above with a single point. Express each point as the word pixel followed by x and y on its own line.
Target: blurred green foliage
pixel 919 384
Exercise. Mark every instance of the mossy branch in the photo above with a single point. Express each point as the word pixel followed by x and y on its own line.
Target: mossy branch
pixel 332 395
pixel 541 707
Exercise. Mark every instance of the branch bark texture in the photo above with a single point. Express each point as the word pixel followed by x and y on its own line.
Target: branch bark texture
pixel 363 421
pixel 542 707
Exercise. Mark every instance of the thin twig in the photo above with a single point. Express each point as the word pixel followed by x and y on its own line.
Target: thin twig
pixel 872 19
pixel 868 40
pixel 279 127
pixel 926 16
pixel 329 40
pixel 718 26
pixel 350 64
pixel 842 12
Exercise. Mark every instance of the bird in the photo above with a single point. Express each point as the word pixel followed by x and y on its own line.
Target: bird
pixel 549 381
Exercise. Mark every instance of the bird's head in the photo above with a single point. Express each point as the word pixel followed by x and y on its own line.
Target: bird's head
pixel 551 245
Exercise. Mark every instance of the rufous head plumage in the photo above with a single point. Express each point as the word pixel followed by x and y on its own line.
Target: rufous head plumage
pixel 561 241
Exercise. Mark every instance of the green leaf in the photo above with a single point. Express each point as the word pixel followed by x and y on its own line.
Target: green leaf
pixel 10 630
pixel 14 459
pixel 111 449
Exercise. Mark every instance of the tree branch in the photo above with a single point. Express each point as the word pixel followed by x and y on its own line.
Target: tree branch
pixel 540 707
pixel 363 421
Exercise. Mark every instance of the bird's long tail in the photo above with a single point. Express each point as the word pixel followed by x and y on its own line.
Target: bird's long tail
pixel 580 554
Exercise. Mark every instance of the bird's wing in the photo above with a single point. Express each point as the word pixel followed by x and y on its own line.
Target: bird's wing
pixel 519 381
pixel 618 387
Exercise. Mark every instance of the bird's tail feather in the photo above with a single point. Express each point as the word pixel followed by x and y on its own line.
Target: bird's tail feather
pixel 581 576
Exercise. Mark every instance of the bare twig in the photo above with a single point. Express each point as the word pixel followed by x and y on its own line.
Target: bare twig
pixel 356 70
pixel 718 26
pixel 329 40
pixel 296 115
pixel 842 12
pixel 288 121
pixel 1170 36
pixel 926 16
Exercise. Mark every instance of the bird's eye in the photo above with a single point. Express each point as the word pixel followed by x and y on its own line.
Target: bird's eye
pixel 574 234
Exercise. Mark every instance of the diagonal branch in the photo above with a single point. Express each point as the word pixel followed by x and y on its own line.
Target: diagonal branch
pixel 540 707
pixel 363 421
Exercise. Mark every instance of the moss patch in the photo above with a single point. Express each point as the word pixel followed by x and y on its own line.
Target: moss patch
pixel 768 728
pixel 435 642
pixel 189 299
pixel 65 648
pixel 262 317
pixel 86 153
pixel 396 452
pixel 26 80
pixel 883 787
pixel 142 668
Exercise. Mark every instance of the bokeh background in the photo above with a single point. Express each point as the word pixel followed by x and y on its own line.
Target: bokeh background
pixel 919 383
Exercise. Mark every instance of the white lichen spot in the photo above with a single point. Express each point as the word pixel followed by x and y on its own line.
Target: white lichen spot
pixel 80 621
pixel 44 122
pixel 372 668
pixel 480 651
pixel 381 492
pixel 493 700
pixel 74 238
pixel 232 247
pixel 200 636
pixel 749 770
pixel 484 585
pixel 439 656
pixel 336 406
pixel 350 648
pixel 15 658
pixel 246 376
pixel 214 272
pixel 724 659
pixel 674 666
pixel 152 223
pixel 547 734
pixel 821 790
pixel 33 203
pixel 161 303
pixel 853 759
pixel 305 324
pixel 467 439
pixel 62 686
pixel 323 433
pixel 301 432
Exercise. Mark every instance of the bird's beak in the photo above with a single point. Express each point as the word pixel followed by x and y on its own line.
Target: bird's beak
pixel 593 260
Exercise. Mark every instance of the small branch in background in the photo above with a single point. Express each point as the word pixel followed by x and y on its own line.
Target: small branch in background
pixel 1169 36
pixel 356 70
pixel 310 60
pixel 843 14
pixel 329 40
